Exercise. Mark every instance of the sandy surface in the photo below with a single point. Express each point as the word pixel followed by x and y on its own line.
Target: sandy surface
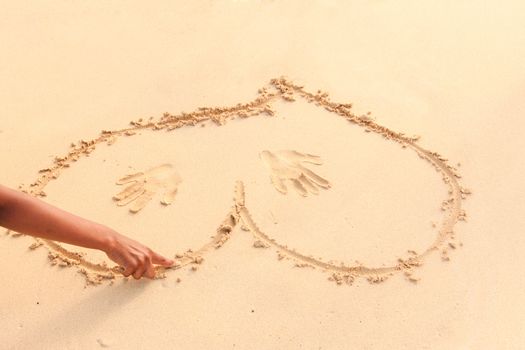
pixel 450 73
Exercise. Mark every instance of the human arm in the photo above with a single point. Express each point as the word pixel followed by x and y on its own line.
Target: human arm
pixel 25 214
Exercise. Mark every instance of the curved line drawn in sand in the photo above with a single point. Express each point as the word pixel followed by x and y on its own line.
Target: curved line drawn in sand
pixel 288 166
pixel 143 186
pixel 278 89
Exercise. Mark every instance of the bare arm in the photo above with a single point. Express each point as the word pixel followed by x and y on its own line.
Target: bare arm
pixel 25 214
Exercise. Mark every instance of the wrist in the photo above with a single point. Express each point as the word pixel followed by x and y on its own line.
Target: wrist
pixel 106 239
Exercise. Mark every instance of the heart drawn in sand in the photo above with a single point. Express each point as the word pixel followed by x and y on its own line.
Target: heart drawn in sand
pixel 287 169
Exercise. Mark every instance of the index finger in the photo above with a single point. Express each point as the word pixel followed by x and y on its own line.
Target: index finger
pixel 160 260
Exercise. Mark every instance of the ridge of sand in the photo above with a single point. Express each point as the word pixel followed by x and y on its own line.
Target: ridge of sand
pixel 277 89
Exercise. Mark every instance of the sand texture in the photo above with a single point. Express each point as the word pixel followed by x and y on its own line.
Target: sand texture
pixel 329 175
pixel 284 166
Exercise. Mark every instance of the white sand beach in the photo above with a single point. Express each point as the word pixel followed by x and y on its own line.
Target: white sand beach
pixel 327 174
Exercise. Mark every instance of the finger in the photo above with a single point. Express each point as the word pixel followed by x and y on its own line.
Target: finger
pixel 160 260
pixel 169 196
pixel 158 169
pixel 299 187
pixel 301 157
pixel 310 187
pixel 315 178
pixel 131 197
pixel 141 201
pixel 150 272
pixel 130 178
pixel 130 267
pixel 130 191
pixel 279 185
pixel 270 159
pixel 141 269
pixel 310 158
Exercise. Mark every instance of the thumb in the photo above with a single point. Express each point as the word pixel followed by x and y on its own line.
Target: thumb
pixel 160 260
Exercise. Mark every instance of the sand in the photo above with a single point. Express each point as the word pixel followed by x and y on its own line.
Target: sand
pixel 253 131
pixel 285 167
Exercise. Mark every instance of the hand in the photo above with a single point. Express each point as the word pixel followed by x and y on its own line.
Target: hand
pixel 135 258
pixel 288 166
pixel 144 185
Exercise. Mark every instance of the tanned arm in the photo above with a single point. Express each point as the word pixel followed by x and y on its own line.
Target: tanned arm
pixel 25 214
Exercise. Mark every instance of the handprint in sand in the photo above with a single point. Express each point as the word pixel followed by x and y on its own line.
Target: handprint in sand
pixel 142 186
pixel 289 166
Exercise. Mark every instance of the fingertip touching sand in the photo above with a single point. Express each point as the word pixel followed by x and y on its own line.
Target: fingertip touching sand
pixel 287 167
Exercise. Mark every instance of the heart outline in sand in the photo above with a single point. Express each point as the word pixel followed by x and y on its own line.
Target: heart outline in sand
pixel 278 89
